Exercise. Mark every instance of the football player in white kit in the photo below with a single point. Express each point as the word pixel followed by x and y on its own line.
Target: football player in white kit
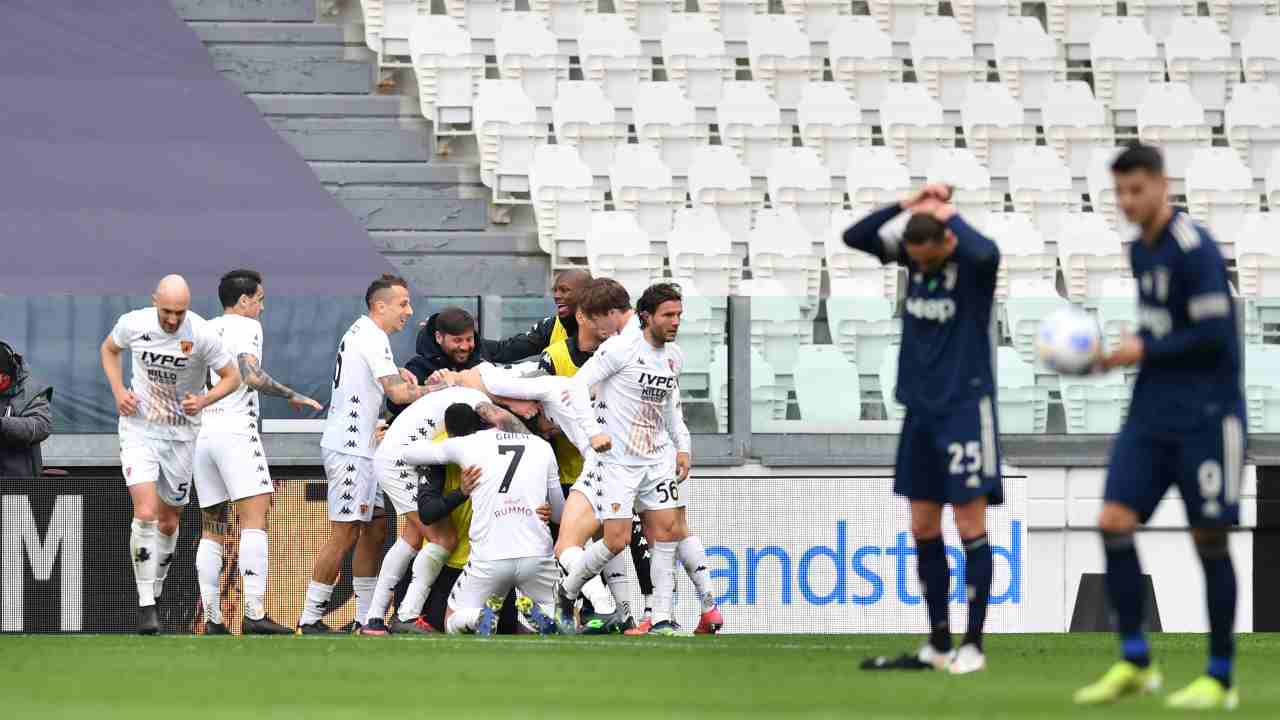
pixel 636 376
pixel 173 352
pixel 230 465
pixel 364 375
pixel 510 544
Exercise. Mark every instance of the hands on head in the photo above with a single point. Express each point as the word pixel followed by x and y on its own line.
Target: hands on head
pixel 932 199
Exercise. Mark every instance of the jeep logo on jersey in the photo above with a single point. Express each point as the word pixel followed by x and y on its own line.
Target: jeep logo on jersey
pixel 155 358
pixel 937 309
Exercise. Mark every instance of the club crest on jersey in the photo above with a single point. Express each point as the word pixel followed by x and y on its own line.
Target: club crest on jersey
pixel 363 508
pixel 617 507
pixel 185 345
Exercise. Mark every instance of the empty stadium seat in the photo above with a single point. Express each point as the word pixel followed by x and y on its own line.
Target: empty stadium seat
pixel 448 71
pixel 781 249
pixel 1272 181
pixel 864 328
pixel 853 272
pixel 943 57
pixel 981 19
pixel 862 59
pixel 1199 54
pixel 665 119
pixel 507 131
pixel 831 123
pixel 751 123
pixel 718 179
pixel 1237 17
pixel 994 126
pixel 694 56
pixel 1258 267
pixel 768 401
pixel 1262 387
pixel 1170 117
pixel 888 377
pixel 1028 60
pixel 1159 16
pixel 649 18
pixel 611 55
pixel 480 18
pixel 901 18
pixel 817 17
pixel 780 58
pixel 1260 53
pixel 1076 124
pixel 1102 191
pixel 1022 252
pixel 1028 304
pixel 1125 62
pixel 733 17
pixel 564 196
pixel 702 253
pixel 618 248
pixel 1040 183
pixel 914 127
pixel 701 333
pixel 1253 124
pixel 828 389
pixel 971 191
pixel 584 118
pixel 1117 305
pixel 798 180
pixel 1090 252
pixel 642 183
pixel 566 18
pixel 527 51
pixel 880 180
pixel 388 25
pixel 779 328
pixel 1073 23
pixel 1095 404
pixel 1220 193
pixel 1021 405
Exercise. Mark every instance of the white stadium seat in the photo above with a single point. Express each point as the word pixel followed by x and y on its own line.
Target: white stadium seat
pixel 665 119
pixel 1021 405
pixel 480 18
pixel 828 389
pixel 702 253
pixel 1262 387
pixel 1073 23
pixel 831 123
pixel 779 329
pixel 780 58
pixel 1258 266
pixel 853 272
pixel 1159 16
pixel 611 55
pixel 1040 184
pixel 782 250
pixel 1022 252
pixel 448 71
pixel 1253 124
pixel 527 51
pixel 817 17
pixel 798 180
pixel 618 248
pixel 900 18
pixel 565 18
pixel 693 54
pixel 718 179
pixel 1028 304
pixel 642 183
pixel 1170 117
pixel 981 19
pixel 1125 62
pixel 1236 17
pixel 864 328
pixel 862 60
pixel 880 180
pixel 733 17
pixel 888 378
pixel 1272 182
pixel 1090 252
pixel 649 18
pixel 584 118
pixel 1095 404
pixel 1117 306
pixel 943 57
pixel 971 192
pixel 508 131
pixel 1199 54
pixel 1028 60
pixel 751 123
pixel 564 197
pixel 1260 52
pixel 994 126
pixel 1101 186
pixel 1075 124
pixel 388 25
pixel 914 126
pixel 1220 193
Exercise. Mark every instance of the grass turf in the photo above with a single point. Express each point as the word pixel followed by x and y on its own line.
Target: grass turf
pixel 177 677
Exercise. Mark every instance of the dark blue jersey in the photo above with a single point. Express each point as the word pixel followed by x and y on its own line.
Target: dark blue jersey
pixel 945 358
pixel 1190 371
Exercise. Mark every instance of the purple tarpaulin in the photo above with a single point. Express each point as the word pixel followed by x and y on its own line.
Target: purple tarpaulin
pixel 124 156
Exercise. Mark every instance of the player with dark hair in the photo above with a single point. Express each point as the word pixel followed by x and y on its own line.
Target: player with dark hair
pixel 1185 427
pixel 947 451
pixel 230 464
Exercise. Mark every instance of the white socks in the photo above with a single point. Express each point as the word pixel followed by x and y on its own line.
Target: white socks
pixel 462 621
pixel 600 597
pixel 253 572
pixel 662 570
pixel 363 587
pixel 586 564
pixel 393 566
pixel 694 558
pixel 317 602
pixel 426 568
pixel 615 575
pixel 209 575
pixel 165 545
pixel 143 553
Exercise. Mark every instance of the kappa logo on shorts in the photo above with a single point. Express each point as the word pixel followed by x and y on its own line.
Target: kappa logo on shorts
pixel 400 462
pixel 347 496
pixel 252 403
pixel 408 486
pixel 351 468
pixel 253 413
pixel 600 420
pixel 349 482
pixel 254 439
pixel 404 474
pixel 345 510
pixel 354 415
pixel 355 399
pixel 352 429
pixel 264 482
pixel 351 443
pixel 257 453
pixel 250 573
pixel 262 468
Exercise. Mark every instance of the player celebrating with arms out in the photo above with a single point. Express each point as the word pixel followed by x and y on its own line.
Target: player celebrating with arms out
pixel 1185 427
pixel 947 450
pixel 173 352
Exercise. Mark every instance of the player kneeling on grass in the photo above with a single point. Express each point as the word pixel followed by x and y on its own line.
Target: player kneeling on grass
pixel 511 544
pixel 947 451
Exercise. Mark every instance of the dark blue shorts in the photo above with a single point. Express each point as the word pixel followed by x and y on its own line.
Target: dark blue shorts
pixel 1206 465
pixel 950 457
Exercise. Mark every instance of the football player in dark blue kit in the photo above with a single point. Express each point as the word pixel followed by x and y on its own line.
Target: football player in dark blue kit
pixel 1185 427
pixel 947 451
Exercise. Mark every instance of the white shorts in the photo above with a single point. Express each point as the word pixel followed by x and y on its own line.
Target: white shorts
pixel 353 492
pixel 482 579
pixel 167 463
pixel 617 492
pixel 230 466
pixel 398 481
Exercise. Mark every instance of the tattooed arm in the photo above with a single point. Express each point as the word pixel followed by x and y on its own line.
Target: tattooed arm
pixel 258 379
pixel 401 392
pixel 501 418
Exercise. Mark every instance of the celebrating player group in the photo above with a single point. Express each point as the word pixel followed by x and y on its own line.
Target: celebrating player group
pixel 519 471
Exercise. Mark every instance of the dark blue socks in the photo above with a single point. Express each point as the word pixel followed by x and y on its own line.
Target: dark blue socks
pixel 977 580
pixel 935 576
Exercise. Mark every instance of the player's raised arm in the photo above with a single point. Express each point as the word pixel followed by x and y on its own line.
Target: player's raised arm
pixel 438 453
pixel 255 377
pixel 866 235
pixel 971 245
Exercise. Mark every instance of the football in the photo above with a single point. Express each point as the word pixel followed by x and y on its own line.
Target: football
pixel 1069 341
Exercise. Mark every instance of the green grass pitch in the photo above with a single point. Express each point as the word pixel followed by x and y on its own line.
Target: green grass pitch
pixel 175 677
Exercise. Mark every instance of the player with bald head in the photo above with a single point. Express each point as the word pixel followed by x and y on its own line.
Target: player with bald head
pixel 566 292
pixel 174 350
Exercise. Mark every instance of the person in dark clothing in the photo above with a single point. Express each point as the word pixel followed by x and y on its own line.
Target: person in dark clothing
pixel 25 421
pixel 567 293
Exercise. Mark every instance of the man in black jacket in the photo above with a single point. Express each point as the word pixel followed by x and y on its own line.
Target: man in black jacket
pixel 24 422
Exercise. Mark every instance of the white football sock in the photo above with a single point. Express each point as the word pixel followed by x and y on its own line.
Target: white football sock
pixel 662 570
pixel 209 574
pixel 165 546
pixel 142 552
pixel 694 558
pixel 426 568
pixel 363 587
pixel 253 572
pixel 318 595
pixel 462 621
pixel 615 575
pixel 600 597
pixel 393 566
pixel 587 565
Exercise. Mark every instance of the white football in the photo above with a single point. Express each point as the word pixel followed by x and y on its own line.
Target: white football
pixel 1069 341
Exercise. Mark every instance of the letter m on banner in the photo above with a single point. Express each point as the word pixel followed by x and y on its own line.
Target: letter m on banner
pixel 63 535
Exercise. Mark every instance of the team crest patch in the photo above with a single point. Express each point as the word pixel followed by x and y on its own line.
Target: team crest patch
pixel 185 345
pixel 617 507
pixel 128 471
pixel 364 509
